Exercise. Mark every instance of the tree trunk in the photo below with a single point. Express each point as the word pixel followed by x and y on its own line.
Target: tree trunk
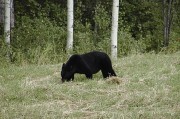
pixel 12 13
pixel 114 29
pixel 70 18
pixel 1 11
pixel 7 25
pixel 167 19
pixel 164 24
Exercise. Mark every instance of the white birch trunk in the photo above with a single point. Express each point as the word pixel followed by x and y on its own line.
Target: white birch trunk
pixel 7 25
pixel 114 29
pixel 7 21
pixel 70 19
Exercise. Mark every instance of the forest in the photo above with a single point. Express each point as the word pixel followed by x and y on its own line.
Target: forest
pixel 39 33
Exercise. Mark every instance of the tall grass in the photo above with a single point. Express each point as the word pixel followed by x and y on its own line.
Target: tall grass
pixel 149 89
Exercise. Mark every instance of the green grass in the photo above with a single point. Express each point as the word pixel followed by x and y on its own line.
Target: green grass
pixel 150 88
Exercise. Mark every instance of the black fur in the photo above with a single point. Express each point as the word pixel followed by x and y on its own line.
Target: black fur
pixel 88 64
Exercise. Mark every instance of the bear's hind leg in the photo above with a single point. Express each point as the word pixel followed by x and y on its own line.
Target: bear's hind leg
pixel 112 73
pixel 108 73
pixel 89 76
pixel 105 73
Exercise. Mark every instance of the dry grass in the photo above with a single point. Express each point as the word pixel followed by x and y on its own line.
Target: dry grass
pixel 147 87
pixel 114 80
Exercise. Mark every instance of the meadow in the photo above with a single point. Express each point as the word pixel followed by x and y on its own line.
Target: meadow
pixel 149 88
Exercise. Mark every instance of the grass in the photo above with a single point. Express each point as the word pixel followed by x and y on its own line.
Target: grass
pixel 149 88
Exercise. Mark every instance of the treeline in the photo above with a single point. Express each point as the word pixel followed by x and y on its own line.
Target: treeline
pixel 39 35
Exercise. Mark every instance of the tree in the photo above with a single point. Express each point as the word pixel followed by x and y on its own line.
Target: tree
pixel 70 18
pixel 114 29
pixel 167 17
pixel 7 25
pixel 1 11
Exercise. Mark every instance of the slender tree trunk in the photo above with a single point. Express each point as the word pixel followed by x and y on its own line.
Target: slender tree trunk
pixel 167 18
pixel 7 26
pixel 164 23
pixel 2 11
pixel 12 13
pixel 70 18
pixel 114 29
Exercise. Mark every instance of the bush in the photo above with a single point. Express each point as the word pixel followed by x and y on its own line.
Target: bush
pixel 174 43
pixel 38 41
pixel 87 39
pixel 4 61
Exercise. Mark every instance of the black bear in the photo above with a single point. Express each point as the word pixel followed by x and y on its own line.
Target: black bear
pixel 88 64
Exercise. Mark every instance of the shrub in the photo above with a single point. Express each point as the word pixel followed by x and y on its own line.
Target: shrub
pixel 174 43
pixel 37 41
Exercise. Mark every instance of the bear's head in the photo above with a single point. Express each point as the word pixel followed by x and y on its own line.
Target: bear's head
pixel 67 72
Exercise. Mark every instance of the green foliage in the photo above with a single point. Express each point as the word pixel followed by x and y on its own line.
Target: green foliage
pixel 83 39
pixel 34 41
pixel 102 28
pixel 39 36
pixel 4 61
pixel 98 39
pixel 102 19
pixel 139 16
pixel 174 44
pixel 126 43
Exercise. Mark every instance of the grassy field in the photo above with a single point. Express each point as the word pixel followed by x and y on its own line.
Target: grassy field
pixel 149 89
